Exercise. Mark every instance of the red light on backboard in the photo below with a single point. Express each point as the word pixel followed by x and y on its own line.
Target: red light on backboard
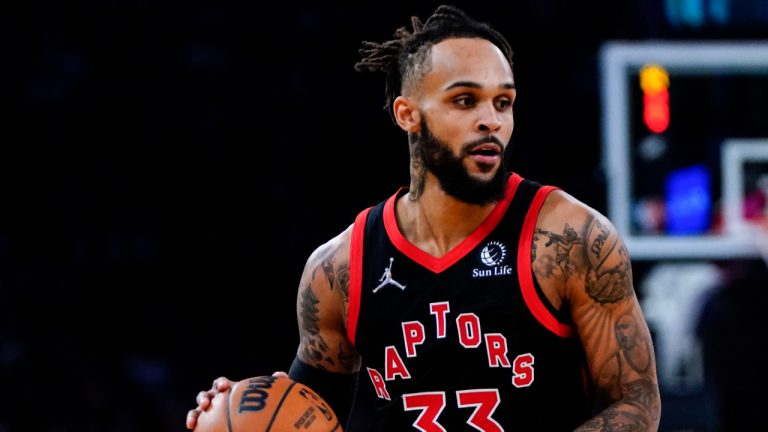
pixel 656 110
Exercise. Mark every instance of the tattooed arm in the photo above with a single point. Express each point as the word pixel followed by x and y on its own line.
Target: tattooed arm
pixel 321 309
pixel 581 263
pixel 326 361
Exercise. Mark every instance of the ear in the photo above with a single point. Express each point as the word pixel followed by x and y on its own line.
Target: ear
pixel 407 114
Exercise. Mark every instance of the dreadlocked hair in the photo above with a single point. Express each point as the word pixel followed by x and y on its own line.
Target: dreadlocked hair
pixel 403 60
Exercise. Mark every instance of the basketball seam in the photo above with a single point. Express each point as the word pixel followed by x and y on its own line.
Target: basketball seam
pixel 229 414
pixel 274 414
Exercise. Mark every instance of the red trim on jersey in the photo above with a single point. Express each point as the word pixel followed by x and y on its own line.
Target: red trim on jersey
pixel 525 273
pixel 355 273
pixel 435 264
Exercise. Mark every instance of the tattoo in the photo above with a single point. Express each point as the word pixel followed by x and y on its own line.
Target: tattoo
pixel 563 245
pixel 418 171
pixel 325 259
pixel 613 420
pixel 596 246
pixel 640 394
pixel 343 278
pixel 624 372
pixel 533 247
pixel 611 285
pixel 631 384
pixel 636 350
pixel 315 347
pixel 309 311
pixel 328 270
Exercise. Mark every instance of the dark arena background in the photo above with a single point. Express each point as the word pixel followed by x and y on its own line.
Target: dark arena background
pixel 168 167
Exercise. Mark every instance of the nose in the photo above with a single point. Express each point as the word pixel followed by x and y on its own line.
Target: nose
pixel 489 120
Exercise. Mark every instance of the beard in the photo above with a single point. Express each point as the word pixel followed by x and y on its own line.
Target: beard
pixel 453 177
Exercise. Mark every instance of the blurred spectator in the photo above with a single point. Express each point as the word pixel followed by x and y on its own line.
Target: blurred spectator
pixel 734 337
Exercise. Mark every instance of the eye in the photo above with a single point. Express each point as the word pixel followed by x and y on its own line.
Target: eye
pixel 503 104
pixel 465 101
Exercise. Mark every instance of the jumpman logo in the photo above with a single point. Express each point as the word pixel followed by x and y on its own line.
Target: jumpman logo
pixel 386 278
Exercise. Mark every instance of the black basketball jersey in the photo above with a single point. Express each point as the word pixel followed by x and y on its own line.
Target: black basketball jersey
pixel 463 342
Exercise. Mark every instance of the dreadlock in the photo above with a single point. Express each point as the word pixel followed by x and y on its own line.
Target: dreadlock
pixel 403 60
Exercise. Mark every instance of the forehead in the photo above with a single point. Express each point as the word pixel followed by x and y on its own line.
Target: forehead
pixel 467 59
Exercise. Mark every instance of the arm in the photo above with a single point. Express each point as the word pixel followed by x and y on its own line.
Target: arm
pixel 321 309
pixel 581 263
pixel 326 361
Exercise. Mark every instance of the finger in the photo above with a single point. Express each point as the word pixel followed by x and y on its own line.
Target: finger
pixel 203 400
pixel 192 418
pixel 280 374
pixel 221 384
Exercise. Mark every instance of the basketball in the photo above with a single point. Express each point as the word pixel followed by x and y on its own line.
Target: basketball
pixel 267 403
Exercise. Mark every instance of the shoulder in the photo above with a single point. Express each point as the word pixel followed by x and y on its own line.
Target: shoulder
pixel 333 247
pixel 562 213
pixel 574 243
pixel 561 207
pixel 331 258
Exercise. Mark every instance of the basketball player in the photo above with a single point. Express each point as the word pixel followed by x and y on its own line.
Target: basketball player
pixel 474 299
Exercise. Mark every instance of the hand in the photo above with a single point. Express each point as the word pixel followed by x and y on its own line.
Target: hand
pixel 204 398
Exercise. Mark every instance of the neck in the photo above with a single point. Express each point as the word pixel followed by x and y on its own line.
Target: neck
pixel 434 221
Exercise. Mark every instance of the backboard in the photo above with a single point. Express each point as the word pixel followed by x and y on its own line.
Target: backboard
pixel 687 184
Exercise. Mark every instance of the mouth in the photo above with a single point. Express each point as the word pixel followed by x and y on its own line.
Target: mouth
pixel 485 153
pixel 486 149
